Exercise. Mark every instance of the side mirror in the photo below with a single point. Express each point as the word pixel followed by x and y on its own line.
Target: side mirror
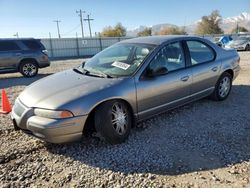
pixel 219 44
pixel 158 72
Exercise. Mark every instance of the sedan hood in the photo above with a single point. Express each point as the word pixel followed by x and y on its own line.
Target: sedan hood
pixel 238 42
pixel 59 89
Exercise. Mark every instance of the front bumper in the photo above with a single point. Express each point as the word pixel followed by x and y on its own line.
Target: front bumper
pixel 50 130
pixel 238 47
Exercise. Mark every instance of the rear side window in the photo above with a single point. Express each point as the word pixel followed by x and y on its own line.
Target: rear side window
pixel 8 46
pixel 32 44
pixel 200 52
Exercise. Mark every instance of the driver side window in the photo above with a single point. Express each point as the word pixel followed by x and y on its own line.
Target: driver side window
pixel 170 56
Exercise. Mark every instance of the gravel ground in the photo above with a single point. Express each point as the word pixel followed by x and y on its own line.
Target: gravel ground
pixel 203 144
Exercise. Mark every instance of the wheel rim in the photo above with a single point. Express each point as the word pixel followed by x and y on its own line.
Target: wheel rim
pixel 29 69
pixel 119 119
pixel 224 87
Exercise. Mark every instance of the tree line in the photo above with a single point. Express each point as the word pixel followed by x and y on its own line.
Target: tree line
pixel 208 25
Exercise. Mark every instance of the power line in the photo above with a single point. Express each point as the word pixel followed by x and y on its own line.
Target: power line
pixel 80 12
pixel 58 30
pixel 70 31
pixel 88 20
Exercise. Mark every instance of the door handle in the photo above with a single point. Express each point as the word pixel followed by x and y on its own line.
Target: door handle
pixel 18 54
pixel 214 69
pixel 185 78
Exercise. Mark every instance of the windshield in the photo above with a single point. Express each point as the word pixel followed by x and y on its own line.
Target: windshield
pixel 118 60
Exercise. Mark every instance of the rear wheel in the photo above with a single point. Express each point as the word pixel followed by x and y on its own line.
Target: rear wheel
pixel 113 121
pixel 28 68
pixel 223 87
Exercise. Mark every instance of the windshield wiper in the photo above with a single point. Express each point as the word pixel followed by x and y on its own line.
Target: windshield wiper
pixel 105 75
pixel 99 74
pixel 87 72
pixel 78 71
pixel 82 71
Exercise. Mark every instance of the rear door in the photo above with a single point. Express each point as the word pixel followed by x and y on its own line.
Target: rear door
pixel 158 93
pixel 9 54
pixel 205 67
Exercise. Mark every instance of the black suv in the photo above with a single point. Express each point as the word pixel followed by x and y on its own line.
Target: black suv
pixel 22 55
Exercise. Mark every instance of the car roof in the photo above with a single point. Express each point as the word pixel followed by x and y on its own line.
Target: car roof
pixel 157 40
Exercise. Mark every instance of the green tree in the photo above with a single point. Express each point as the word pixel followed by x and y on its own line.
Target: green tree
pixel 117 31
pixel 239 29
pixel 210 24
pixel 172 31
pixel 146 32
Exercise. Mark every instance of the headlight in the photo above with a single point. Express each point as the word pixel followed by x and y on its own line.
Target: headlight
pixel 53 114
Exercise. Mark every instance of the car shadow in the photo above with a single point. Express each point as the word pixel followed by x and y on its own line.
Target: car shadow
pixel 203 135
pixel 19 80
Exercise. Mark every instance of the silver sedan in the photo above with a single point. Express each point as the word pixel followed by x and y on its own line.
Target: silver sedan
pixel 125 83
pixel 241 43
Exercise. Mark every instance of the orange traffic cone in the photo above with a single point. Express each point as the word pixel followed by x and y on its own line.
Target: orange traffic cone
pixel 6 108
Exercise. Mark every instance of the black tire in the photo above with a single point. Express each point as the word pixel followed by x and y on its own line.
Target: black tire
pixel 103 121
pixel 28 68
pixel 218 94
pixel 247 47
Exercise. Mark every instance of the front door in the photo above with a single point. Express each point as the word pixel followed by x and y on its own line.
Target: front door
pixel 157 93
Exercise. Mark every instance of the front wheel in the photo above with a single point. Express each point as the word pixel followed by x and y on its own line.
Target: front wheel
pixel 222 87
pixel 113 121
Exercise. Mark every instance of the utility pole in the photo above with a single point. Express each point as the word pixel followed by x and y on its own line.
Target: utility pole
pixel 58 30
pixel 237 27
pixel 16 35
pixel 80 12
pixel 88 20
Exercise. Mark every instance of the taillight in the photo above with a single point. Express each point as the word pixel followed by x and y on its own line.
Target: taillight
pixel 45 57
pixel 45 52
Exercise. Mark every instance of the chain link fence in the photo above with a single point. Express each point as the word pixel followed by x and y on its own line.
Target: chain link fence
pixel 78 47
pixel 85 47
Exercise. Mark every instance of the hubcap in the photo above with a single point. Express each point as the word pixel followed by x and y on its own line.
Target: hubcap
pixel 29 69
pixel 224 86
pixel 119 119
